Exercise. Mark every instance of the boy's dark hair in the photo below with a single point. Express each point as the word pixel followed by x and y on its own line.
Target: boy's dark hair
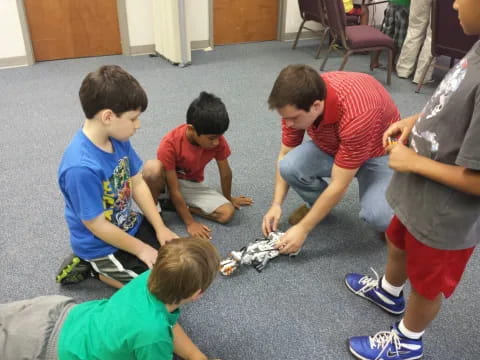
pixel 298 85
pixel 111 87
pixel 183 267
pixel 208 115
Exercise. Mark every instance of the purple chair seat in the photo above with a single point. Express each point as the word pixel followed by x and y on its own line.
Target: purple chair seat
pixel 364 36
pixel 354 39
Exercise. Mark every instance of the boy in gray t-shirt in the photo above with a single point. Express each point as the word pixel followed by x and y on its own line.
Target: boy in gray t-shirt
pixel 435 194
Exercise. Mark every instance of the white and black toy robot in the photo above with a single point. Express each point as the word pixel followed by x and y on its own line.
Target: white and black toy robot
pixel 257 254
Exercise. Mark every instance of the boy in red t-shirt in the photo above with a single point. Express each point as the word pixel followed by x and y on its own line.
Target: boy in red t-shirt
pixel 181 159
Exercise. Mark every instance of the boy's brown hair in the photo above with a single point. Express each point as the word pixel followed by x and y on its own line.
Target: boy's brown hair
pixel 298 85
pixel 111 87
pixel 183 267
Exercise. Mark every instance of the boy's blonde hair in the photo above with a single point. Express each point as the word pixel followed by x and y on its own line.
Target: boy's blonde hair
pixel 183 267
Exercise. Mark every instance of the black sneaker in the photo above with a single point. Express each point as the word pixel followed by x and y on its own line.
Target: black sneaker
pixel 73 270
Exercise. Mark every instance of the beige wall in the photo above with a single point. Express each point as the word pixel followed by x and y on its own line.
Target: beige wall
pixel 11 38
pixel 140 23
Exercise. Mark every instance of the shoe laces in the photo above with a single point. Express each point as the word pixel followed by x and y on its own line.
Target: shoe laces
pixel 368 282
pixel 383 339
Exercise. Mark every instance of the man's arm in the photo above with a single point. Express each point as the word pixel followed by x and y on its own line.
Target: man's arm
pixel 294 238
pixel 271 218
pixel 226 181
pixel 113 235
pixel 281 186
pixel 404 159
pixel 194 228
pixel 143 198
pixel 184 347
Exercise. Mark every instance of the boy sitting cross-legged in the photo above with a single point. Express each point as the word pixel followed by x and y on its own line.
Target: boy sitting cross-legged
pixel 181 159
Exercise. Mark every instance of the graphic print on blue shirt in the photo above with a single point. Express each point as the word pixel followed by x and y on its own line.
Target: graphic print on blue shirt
pixel 98 183
pixel 117 197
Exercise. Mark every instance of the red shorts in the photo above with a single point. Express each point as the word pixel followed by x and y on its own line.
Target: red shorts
pixel 357 10
pixel 430 271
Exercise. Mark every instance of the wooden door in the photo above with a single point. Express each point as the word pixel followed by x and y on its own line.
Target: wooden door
pixel 62 29
pixel 236 21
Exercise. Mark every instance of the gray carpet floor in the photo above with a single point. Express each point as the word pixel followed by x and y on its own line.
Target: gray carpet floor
pixel 296 308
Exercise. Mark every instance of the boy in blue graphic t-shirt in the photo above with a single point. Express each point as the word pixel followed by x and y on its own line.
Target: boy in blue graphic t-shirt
pixel 99 175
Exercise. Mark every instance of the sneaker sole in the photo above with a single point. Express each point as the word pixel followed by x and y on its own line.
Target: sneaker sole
pixel 380 306
pixel 354 353
pixel 66 276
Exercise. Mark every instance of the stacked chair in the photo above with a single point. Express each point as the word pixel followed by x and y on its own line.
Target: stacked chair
pixel 330 14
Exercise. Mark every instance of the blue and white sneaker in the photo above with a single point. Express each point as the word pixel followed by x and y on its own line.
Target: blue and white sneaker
pixel 386 345
pixel 370 289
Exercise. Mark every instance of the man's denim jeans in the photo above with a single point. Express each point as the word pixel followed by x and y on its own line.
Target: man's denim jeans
pixel 304 168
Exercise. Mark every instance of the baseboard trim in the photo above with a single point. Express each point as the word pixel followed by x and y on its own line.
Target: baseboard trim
pixel 15 61
pixel 303 35
pixel 150 49
pixel 199 44
pixel 142 49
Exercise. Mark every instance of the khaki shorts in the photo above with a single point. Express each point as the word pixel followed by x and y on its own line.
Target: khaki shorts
pixel 199 195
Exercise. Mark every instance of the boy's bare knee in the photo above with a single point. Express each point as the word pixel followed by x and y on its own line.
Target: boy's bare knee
pixel 225 213
pixel 153 170
pixel 154 176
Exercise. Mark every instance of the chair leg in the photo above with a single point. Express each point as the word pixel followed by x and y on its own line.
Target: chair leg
pixel 420 84
pixel 330 48
pixel 322 39
pixel 345 59
pixel 389 66
pixel 298 34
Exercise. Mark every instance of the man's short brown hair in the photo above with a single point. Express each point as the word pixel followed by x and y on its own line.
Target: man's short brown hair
pixel 183 267
pixel 111 87
pixel 298 85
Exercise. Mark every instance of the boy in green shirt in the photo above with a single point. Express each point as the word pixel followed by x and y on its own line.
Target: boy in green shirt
pixel 138 322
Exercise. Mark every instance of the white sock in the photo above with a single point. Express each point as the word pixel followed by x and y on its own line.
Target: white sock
pixel 392 290
pixel 408 333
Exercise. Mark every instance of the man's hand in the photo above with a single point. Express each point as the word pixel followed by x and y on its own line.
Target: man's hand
pixel 238 201
pixel 165 235
pixel 292 241
pixel 399 130
pixel 401 158
pixel 148 255
pixel 271 219
pixel 200 230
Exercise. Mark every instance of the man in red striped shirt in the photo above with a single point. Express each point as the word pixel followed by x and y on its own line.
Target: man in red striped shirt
pixel 345 114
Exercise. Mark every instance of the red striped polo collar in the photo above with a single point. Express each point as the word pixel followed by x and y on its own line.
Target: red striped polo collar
pixel 330 111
